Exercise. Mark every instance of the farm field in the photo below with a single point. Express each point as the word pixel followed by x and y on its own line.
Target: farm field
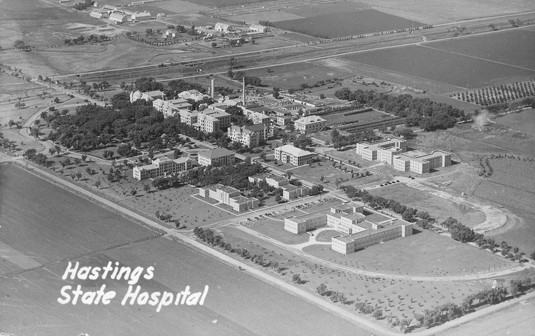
pixel 455 69
pixel 514 47
pixel 292 76
pixel 437 207
pixel 423 254
pixel 522 121
pixel 74 228
pixel 348 23
pixel 436 11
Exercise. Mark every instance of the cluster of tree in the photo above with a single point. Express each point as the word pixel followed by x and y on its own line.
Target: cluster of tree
pixel 166 182
pixel 163 216
pixel 439 315
pixel 39 158
pixel 235 176
pixel 126 150
pixel 237 117
pixel 240 75
pixel 83 5
pixel 459 231
pixel 144 84
pixel 296 278
pixel 340 141
pixel 211 237
pixel 421 112
pixel 108 154
pixel 303 142
pixel 377 202
pixel 176 86
pixel 19 44
pixel 333 295
pixel 486 169
pixel 91 38
pixel 496 95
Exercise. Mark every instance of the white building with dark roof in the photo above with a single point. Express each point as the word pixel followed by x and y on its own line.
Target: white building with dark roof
pixel 229 196
pixel 293 155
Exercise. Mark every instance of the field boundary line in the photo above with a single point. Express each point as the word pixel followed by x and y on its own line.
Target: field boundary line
pixel 475 57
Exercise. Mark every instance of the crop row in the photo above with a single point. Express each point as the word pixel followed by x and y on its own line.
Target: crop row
pixel 497 94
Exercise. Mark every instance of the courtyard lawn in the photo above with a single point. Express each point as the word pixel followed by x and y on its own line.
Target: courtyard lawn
pixel 275 230
pixel 423 254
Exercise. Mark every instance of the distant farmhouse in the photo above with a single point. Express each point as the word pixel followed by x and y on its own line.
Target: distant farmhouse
pixel 293 155
pixel 161 167
pixel 229 196
pixel 394 152
pixel 359 227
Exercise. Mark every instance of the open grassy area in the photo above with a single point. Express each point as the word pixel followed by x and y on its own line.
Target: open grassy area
pixel 423 254
pixel 275 229
pixel 327 235
pixel 437 207
pixel 401 298
pixel 522 122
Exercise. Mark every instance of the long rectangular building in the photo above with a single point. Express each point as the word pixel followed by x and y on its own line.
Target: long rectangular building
pixel 161 167
pixel 359 227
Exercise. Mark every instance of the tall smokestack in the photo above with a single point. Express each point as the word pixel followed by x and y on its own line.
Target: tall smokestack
pixel 243 91
pixel 212 88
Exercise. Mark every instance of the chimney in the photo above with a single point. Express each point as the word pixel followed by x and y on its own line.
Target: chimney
pixel 243 91
pixel 212 87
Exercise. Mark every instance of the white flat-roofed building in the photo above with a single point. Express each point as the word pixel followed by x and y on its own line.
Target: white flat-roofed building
pixel 293 155
pixel 383 150
pixel 141 16
pixel 360 227
pixel 161 167
pixel 310 124
pixel 248 135
pixel 192 94
pixel 289 191
pixel 117 18
pixel 229 196
pixel 171 107
pixel 420 162
pixel 211 120
pixel 216 157
pixel 188 117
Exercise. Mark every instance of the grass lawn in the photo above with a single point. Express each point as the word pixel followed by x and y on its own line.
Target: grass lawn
pixel 326 236
pixel 423 254
pixel 275 230
pixel 350 154
pixel 437 207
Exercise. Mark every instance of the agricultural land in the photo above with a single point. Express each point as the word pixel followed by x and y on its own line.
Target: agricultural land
pixel 82 136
